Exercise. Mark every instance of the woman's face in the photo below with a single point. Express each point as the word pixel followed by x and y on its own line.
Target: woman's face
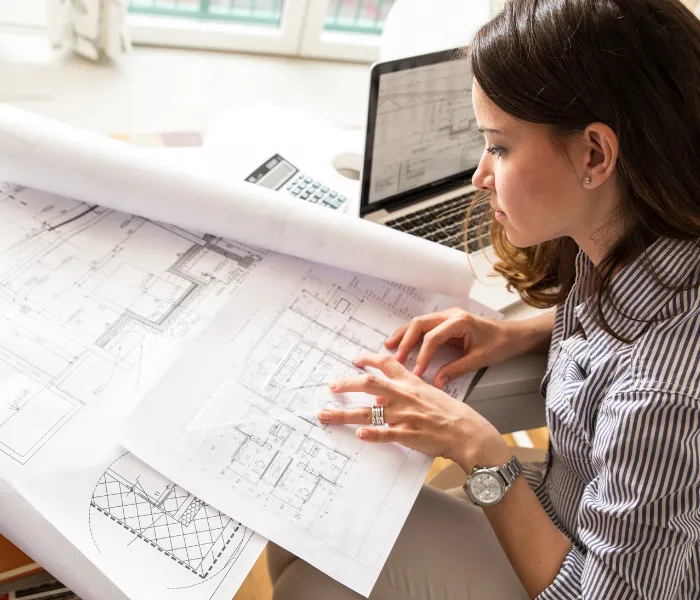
pixel 535 188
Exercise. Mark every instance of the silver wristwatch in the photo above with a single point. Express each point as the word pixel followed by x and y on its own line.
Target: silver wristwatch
pixel 486 486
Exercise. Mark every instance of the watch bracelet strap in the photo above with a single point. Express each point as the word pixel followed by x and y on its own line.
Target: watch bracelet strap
pixel 510 471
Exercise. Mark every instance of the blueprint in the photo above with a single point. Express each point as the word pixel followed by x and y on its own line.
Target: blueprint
pixel 264 367
pixel 109 285
pixel 425 130
pixel 158 514
pixel 94 306
pixel 84 311
pixel 43 154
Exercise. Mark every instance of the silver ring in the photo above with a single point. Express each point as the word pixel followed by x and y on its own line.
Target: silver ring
pixel 377 416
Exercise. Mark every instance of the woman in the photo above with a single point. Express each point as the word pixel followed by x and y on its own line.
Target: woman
pixel 591 115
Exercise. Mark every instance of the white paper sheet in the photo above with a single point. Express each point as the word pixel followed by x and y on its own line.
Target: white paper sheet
pixel 94 306
pixel 25 526
pixel 51 156
pixel 316 490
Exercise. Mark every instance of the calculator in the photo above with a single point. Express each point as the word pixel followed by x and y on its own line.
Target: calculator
pixel 277 173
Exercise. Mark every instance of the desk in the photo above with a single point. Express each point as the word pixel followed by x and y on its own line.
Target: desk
pixel 310 144
pixel 14 563
pixel 317 148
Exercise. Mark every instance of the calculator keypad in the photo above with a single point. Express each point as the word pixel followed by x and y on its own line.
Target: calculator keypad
pixel 305 187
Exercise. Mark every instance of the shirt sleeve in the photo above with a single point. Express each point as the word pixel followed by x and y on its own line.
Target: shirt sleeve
pixel 639 518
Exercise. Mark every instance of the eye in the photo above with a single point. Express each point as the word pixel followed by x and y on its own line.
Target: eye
pixel 495 151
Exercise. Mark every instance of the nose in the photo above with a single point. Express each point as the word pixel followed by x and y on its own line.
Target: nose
pixel 483 178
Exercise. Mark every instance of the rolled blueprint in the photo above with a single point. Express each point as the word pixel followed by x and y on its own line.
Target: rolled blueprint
pixel 51 156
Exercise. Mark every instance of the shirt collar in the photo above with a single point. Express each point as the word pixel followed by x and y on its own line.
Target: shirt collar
pixel 636 297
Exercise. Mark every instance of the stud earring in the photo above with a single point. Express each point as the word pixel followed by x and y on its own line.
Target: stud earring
pixel 587 180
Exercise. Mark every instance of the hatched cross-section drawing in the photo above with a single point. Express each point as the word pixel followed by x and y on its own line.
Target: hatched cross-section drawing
pixel 167 518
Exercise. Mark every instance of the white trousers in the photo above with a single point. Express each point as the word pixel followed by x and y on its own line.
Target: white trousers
pixel 446 550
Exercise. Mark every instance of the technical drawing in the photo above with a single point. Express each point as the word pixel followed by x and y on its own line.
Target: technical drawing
pixel 252 433
pixel 311 343
pixel 275 449
pixel 165 518
pixel 92 303
pixel 280 464
pixel 426 128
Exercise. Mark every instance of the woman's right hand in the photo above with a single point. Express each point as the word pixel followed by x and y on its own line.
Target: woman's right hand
pixel 484 342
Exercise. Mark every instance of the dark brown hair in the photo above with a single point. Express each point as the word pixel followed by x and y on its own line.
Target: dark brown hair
pixel 631 64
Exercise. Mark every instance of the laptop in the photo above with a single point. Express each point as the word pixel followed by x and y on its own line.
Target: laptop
pixel 422 147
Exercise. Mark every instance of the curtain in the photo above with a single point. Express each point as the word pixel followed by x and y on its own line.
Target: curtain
pixel 92 28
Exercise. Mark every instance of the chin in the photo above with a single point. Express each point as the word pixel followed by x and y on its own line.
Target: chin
pixel 522 240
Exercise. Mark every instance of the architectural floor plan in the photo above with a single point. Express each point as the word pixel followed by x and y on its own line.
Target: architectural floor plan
pixel 94 306
pixel 116 306
pixel 88 297
pixel 276 450
pixel 247 435
pixel 104 315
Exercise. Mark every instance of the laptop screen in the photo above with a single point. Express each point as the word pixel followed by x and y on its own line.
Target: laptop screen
pixel 424 130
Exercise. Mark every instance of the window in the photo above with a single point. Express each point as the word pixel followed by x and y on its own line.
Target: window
pixel 340 29
pixel 260 12
pixel 345 29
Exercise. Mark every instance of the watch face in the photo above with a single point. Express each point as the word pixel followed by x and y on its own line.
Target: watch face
pixel 487 488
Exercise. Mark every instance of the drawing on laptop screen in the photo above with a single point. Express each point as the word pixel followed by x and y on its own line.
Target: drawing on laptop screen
pixel 425 128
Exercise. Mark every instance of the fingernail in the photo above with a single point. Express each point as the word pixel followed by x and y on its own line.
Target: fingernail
pixel 416 370
pixel 325 415
pixel 439 383
pixel 362 434
pixel 333 385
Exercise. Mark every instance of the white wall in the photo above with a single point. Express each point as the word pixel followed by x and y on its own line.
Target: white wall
pixel 23 13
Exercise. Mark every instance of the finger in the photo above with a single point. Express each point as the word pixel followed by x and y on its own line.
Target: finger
pixel 347 416
pixel 381 401
pixel 457 368
pixel 435 338
pixel 416 328
pixel 369 384
pixel 379 434
pixel 359 416
pixel 386 363
pixel 393 340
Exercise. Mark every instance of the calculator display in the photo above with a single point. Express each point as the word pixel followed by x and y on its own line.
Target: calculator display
pixel 277 176
pixel 275 172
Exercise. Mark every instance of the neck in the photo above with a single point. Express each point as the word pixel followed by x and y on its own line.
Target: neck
pixel 598 238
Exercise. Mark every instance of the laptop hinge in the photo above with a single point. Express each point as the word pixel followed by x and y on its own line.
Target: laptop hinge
pixel 414 198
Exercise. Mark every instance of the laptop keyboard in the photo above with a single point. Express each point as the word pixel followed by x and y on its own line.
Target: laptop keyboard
pixel 444 223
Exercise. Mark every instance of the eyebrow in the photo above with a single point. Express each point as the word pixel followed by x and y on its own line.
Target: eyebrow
pixel 487 130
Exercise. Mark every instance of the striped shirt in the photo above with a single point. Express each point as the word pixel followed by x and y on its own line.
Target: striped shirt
pixel 622 475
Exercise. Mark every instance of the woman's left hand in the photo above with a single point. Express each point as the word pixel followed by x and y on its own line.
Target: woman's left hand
pixel 419 416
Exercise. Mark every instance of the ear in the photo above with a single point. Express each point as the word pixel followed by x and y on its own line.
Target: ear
pixel 601 152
